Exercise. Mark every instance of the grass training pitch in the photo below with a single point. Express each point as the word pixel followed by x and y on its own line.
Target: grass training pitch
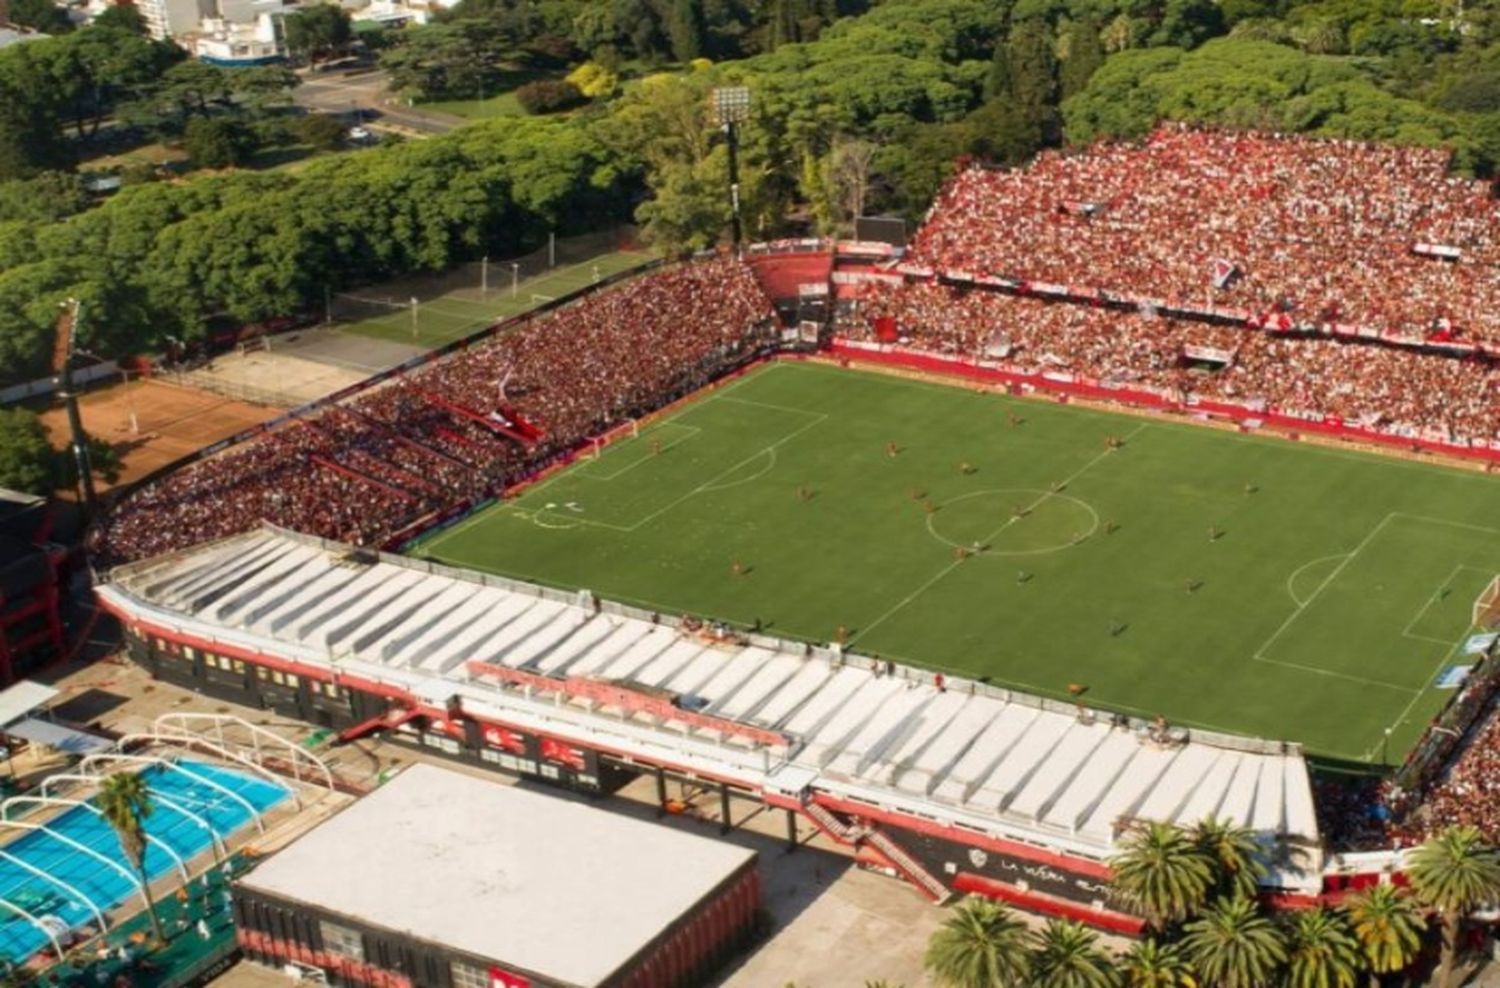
pixel 455 315
pixel 1235 582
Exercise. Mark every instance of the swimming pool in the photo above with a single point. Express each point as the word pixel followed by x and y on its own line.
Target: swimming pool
pixel 63 874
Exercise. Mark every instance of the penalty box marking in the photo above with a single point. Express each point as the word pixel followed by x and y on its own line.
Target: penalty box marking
pixel 711 484
pixel 1437 595
pixel 683 432
pixel 1260 656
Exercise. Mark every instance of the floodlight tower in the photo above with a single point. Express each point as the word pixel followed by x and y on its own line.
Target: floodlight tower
pixel 64 350
pixel 732 108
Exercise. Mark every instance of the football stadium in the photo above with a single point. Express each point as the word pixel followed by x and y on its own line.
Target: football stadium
pixel 1113 496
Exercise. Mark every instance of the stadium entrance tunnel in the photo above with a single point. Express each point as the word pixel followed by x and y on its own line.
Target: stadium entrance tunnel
pixel 1013 522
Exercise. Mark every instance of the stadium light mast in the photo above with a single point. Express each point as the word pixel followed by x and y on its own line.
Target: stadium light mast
pixel 63 352
pixel 732 108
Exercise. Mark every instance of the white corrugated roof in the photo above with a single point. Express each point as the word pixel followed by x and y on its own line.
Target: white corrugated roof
pixel 1012 764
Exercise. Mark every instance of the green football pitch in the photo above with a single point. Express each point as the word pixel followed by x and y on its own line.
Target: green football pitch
pixel 1241 583
pixel 450 317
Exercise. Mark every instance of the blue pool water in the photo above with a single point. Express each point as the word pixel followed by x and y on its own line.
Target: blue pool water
pixel 190 788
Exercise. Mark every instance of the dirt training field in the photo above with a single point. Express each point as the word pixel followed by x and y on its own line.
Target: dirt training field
pixel 169 422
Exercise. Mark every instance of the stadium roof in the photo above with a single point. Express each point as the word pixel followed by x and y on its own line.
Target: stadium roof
pixel 1005 763
pixel 559 888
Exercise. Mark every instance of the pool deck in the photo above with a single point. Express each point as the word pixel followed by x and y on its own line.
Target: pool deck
pixel 831 920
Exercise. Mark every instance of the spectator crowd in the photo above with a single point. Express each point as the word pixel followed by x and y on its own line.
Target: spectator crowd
pixel 1467 794
pixel 1402 391
pixel 380 462
pixel 1319 232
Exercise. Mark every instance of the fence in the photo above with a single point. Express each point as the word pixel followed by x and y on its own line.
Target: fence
pixel 233 390
pixel 47 385
pixel 488 279
pixel 1447 731
pixel 312 407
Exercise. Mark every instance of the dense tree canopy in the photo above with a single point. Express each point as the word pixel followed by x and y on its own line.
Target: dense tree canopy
pixel 858 106
pixel 162 259
pixel 26 459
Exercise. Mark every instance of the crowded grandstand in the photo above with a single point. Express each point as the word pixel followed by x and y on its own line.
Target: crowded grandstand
pixel 1278 275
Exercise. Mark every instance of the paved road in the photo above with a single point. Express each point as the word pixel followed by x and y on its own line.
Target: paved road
pixel 344 91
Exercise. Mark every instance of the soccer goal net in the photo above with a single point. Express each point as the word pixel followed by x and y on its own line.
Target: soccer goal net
pixel 1487 606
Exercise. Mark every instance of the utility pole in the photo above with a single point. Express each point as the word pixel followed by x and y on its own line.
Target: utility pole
pixel 732 108
pixel 62 364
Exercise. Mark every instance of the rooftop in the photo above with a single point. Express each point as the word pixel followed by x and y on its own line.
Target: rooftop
pixel 536 881
pixel 768 713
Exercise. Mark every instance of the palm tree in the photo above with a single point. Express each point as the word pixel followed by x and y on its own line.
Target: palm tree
pixel 1234 854
pixel 1455 872
pixel 1067 955
pixel 1156 964
pixel 1233 946
pixel 125 802
pixel 1322 952
pixel 1389 928
pixel 1161 874
pixel 980 946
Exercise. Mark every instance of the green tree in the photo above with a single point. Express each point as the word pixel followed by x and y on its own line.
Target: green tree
pixel 323 131
pixel 25 456
pixel 1454 873
pixel 121 17
pixel 997 79
pixel 48 197
pixel 1321 951
pixel 318 31
pixel 1162 874
pixel 40 15
pixel 1085 55
pixel 1156 964
pixel 688 211
pixel 93 71
pixel 262 87
pixel 30 117
pixel 1236 857
pixel 193 87
pixel 1033 66
pixel 981 945
pixel 1389 928
pixel 444 60
pixel 125 802
pixel 685 29
pixel 218 142
pixel 1231 945
pixel 1067 955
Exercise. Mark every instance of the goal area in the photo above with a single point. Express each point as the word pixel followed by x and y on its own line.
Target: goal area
pixel 1487 606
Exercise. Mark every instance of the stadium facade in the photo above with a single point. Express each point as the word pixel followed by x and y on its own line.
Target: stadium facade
pixel 951 784
pixel 444 880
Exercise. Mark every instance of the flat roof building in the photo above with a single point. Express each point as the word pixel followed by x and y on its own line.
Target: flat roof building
pixel 442 880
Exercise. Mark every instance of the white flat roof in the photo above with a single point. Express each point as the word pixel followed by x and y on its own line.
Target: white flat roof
pixel 20 700
pixel 539 882
pixel 65 739
pixel 1000 761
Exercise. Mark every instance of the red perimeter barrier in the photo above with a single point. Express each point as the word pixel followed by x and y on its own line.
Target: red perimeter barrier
pixel 1068 386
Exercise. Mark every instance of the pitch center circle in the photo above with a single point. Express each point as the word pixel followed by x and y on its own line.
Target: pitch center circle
pixel 1017 521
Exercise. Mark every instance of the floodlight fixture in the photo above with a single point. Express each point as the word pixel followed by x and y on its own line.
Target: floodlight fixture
pixel 732 104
